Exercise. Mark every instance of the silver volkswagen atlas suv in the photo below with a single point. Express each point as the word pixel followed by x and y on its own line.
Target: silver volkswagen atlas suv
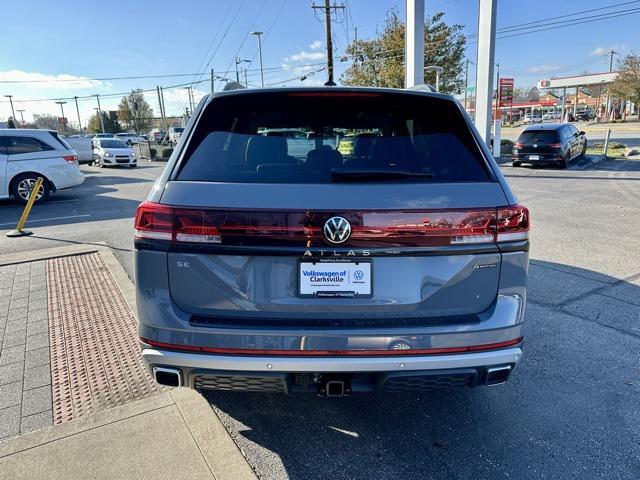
pixel 331 240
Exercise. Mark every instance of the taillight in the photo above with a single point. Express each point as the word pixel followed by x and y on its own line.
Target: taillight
pixel 519 145
pixel 369 229
pixel 71 158
pixel 512 224
pixel 555 145
pixel 163 222
pixel 154 221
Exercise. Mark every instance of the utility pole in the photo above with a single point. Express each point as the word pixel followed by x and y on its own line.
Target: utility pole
pixel 61 103
pixel 213 80
pixel 163 120
pixel 611 54
pixel 21 116
pixel 466 81
pixel 13 114
pixel 78 112
pixel 100 113
pixel 246 83
pixel 328 9
pixel 258 34
pixel 238 62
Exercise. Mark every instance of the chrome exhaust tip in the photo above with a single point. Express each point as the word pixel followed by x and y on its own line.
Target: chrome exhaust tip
pixel 171 377
pixel 497 375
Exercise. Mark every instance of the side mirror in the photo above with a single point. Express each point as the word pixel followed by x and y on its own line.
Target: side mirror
pixel 582 133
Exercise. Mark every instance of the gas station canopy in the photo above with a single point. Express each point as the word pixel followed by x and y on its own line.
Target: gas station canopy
pixel 578 81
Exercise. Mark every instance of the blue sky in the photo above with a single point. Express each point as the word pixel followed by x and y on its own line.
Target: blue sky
pixel 45 40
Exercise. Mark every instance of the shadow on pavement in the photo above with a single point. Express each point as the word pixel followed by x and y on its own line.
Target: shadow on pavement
pixel 570 409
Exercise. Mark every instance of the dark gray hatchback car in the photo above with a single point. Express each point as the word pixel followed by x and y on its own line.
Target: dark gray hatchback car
pixel 331 240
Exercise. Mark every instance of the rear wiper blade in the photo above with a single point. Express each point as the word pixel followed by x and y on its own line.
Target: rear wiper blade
pixel 359 174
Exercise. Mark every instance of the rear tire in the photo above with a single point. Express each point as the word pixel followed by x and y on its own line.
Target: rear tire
pixel 22 185
pixel 516 164
pixel 564 162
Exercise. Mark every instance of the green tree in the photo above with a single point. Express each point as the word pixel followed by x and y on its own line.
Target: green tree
pixel 380 62
pixel 111 124
pixel 626 86
pixel 134 112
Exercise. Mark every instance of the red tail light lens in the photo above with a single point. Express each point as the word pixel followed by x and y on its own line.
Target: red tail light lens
pixel 163 222
pixel 305 229
pixel 512 224
pixel 519 145
pixel 154 221
pixel 555 145
pixel 71 158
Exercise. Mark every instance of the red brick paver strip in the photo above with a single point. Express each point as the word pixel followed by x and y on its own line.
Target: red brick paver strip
pixel 95 359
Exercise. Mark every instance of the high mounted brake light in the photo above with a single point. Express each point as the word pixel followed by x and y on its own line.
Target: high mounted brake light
pixel 376 229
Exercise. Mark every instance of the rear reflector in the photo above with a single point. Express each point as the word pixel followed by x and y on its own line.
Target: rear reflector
pixel 305 229
pixel 339 353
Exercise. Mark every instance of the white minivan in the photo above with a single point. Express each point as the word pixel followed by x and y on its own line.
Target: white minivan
pixel 27 154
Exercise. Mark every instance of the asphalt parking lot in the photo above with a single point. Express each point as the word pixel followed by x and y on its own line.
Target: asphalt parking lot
pixel 571 409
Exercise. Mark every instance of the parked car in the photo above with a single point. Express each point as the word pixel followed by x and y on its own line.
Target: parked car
pixel 535 118
pixel 98 136
pixel 556 144
pixel 128 138
pixel 156 135
pixel 585 115
pixel 399 266
pixel 27 154
pixel 83 146
pixel 175 133
pixel 113 152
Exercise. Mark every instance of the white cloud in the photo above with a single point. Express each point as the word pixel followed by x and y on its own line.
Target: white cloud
pixel 316 45
pixel 304 56
pixel 37 80
pixel 601 50
pixel 544 68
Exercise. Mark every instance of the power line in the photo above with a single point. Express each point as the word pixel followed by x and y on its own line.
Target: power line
pixel 565 16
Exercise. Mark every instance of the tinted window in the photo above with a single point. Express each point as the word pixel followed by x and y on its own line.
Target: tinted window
pixel 18 145
pixel 299 137
pixel 538 136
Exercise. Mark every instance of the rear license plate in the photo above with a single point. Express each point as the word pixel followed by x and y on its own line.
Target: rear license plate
pixel 534 157
pixel 335 279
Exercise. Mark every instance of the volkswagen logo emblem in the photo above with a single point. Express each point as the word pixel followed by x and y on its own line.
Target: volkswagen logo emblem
pixel 336 230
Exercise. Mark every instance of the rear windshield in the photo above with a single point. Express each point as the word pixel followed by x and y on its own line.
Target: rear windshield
pixel 304 137
pixel 538 136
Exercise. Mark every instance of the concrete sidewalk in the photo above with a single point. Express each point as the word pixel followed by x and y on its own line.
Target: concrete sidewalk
pixel 69 357
pixel 172 435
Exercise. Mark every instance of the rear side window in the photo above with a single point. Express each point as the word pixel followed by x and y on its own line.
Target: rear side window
pixel 538 136
pixel 18 145
pixel 300 137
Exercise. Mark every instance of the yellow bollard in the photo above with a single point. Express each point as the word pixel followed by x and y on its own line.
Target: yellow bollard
pixel 19 232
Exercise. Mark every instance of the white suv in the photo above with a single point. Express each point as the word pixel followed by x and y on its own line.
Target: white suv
pixel 27 154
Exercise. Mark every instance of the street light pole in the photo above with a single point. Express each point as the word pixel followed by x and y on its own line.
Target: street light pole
pixel 61 103
pixel 78 112
pixel 21 116
pixel 100 113
pixel 13 114
pixel 258 34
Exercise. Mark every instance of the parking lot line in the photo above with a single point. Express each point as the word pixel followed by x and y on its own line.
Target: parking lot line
pixel 50 202
pixel 47 219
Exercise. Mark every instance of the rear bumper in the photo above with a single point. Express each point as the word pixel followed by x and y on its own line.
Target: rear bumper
pixel 283 374
pixel 544 157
